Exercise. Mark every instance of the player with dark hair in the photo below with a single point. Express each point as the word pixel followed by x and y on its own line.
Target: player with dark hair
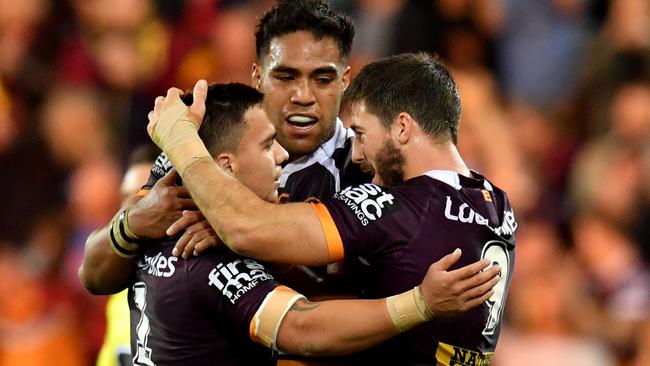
pixel 210 310
pixel 302 51
pixel 405 112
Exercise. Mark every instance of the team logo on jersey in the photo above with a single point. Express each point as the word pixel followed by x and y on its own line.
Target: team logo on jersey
pixel 466 214
pixel 161 166
pixel 158 265
pixel 236 278
pixel 368 202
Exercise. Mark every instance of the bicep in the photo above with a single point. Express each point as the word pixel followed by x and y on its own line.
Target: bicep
pixel 295 234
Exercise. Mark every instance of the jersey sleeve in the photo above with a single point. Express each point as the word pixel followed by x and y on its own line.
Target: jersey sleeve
pixel 231 288
pixel 160 167
pixel 354 220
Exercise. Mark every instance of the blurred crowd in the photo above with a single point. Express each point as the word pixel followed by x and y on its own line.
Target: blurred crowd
pixel 556 110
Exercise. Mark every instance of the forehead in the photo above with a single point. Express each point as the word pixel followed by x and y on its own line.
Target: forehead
pixel 302 51
pixel 258 124
pixel 360 117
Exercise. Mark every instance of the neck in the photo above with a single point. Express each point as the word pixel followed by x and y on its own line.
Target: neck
pixel 423 155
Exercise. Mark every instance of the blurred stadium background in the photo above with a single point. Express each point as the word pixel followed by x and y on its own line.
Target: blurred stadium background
pixel 556 110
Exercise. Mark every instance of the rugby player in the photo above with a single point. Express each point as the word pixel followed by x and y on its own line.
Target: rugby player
pixel 209 310
pixel 116 349
pixel 405 111
pixel 302 69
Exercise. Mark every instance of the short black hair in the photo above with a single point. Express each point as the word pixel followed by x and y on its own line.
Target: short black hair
pixel 314 16
pixel 225 106
pixel 415 83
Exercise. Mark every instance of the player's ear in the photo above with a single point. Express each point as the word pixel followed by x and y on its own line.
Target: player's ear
pixel 403 128
pixel 347 75
pixel 226 162
pixel 256 75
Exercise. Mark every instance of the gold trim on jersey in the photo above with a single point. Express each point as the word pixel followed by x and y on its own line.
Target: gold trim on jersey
pixel 450 355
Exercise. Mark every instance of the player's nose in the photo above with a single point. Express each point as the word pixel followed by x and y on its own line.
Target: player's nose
pixel 281 155
pixel 357 153
pixel 303 94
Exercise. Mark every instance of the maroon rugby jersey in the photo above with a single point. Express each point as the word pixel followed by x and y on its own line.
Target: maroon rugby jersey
pixel 196 311
pixel 400 231
pixel 320 174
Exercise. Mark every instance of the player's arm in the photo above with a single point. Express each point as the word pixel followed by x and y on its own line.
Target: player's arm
pixel 103 271
pixel 108 257
pixel 289 233
pixel 343 326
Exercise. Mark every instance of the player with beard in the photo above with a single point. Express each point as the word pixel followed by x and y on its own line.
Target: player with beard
pixel 210 310
pixel 405 111
pixel 302 69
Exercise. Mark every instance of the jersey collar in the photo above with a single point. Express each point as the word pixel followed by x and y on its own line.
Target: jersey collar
pixel 453 179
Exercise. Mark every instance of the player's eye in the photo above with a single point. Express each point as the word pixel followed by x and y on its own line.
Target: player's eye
pixel 324 79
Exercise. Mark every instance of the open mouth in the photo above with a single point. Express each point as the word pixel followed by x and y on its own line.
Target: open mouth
pixel 301 121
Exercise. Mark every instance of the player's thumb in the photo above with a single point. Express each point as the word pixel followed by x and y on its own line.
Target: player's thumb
pixel 449 260
pixel 200 94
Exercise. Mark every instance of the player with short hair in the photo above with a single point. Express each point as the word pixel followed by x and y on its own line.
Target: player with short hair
pixel 209 310
pixel 302 69
pixel 405 111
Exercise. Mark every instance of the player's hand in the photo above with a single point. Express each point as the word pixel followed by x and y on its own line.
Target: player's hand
pixel 198 235
pixel 450 292
pixel 174 127
pixel 164 105
pixel 164 204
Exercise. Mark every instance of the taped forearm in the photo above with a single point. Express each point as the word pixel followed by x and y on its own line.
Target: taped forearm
pixel 176 134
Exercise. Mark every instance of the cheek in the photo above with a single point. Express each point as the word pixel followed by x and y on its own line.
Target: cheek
pixel 271 105
pixel 333 100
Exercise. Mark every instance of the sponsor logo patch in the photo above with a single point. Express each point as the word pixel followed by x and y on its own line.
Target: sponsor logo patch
pixel 466 214
pixel 368 202
pixel 158 265
pixel 237 277
pixel 161 166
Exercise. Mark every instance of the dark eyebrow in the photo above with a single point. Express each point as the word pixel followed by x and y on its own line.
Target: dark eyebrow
pixel 325 70
pixel 286 69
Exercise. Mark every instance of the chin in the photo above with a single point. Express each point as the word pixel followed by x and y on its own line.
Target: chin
pixel 273 198
pixel 303 148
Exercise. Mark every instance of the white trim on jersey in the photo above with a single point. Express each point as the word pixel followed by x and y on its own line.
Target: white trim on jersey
pixel 451 178
pixel 322 156
pixel 446 176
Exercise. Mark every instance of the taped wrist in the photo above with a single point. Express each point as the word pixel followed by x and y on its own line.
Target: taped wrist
pixel 408 309
pixel 176 134
pixel 123 241
pixel 266 322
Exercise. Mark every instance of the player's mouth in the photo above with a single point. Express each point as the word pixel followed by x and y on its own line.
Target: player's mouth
pixel 302 122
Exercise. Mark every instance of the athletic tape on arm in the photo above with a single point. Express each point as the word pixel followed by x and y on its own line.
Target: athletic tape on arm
pixel 266 321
